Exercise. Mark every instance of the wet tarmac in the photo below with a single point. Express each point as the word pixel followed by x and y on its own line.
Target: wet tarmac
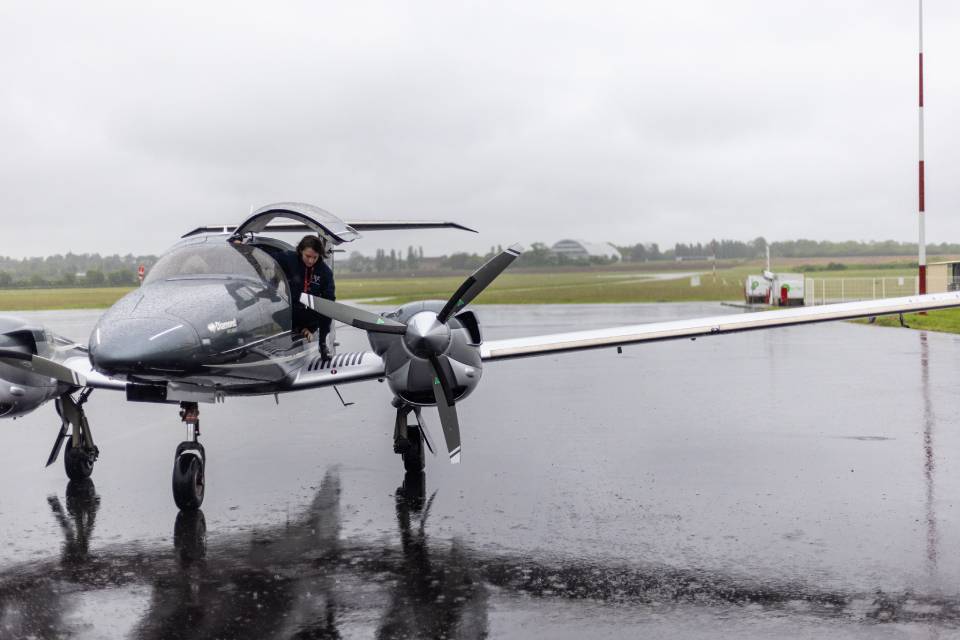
pixel 797 483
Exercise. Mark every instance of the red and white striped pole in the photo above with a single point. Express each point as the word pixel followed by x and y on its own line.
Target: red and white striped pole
pixel 923 243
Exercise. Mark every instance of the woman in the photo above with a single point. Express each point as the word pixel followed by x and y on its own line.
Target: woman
pixel 310 274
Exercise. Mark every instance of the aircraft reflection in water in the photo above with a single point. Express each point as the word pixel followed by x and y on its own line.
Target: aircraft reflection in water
pixel 299 580
pixel 303 580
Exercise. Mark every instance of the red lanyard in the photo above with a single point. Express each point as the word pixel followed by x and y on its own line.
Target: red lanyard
pixel 307 277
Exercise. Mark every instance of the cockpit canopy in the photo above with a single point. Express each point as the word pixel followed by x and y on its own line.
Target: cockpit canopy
pixel 211 258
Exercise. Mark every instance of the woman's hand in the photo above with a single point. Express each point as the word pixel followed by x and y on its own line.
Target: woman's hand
pixel 306 334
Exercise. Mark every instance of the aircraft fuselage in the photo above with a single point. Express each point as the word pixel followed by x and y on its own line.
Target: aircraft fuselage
pixel 211 312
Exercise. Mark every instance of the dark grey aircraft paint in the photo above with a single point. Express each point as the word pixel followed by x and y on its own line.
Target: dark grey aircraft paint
pixel 205 304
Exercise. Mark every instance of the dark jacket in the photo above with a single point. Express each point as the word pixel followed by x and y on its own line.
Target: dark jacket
pixel 317 281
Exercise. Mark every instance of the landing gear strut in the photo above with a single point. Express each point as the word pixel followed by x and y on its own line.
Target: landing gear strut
pixel 410 440
pixel 80 452
pixel 189 462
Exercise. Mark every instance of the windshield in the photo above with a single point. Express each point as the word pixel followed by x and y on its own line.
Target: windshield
pixel 218 260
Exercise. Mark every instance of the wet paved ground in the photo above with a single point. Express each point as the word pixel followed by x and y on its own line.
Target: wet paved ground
pixel 797 483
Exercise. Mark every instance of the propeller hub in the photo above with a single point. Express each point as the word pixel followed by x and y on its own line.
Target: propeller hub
pixel 426 336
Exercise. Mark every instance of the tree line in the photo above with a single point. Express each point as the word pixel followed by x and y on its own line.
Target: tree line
pixel 539 254
pixel 94 270
pixel 72 270
pixel 756 248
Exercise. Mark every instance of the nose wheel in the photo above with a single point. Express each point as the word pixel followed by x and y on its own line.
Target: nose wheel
pixel 410 440
pixel 189 476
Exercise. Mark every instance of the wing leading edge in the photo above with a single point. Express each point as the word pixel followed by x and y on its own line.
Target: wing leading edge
pixel 716 325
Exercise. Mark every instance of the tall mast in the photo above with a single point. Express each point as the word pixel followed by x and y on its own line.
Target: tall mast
pixel 923 242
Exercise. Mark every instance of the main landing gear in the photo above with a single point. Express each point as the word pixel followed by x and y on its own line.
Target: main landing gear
pixel 189 462
pixel 80 452
pixel 410 440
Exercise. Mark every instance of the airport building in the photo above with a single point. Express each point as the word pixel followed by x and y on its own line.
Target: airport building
pixel 943 276
pixel 580 249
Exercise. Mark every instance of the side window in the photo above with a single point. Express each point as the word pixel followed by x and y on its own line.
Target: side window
pixel 283 287
pixel 271 272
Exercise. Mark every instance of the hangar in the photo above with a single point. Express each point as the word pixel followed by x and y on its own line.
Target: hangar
pixel 580 249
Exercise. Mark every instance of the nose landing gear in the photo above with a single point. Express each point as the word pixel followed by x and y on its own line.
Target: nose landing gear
pixel 410 440
pixel 189 462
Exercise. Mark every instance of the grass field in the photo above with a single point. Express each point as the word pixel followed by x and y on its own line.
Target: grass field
pixel 40 299
pixel 510 288
pixel 906 272
pixel 611 286
pixel 947 320
pixel 577 287
pixel 582 287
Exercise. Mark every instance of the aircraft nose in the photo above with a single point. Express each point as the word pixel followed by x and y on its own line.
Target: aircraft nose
pixel 129 345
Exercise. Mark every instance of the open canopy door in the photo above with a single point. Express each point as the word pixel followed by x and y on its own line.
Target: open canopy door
pixel 305 217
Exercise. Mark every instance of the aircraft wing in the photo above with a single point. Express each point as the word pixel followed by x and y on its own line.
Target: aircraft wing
pixel 71 367
pixel 341 369
pixel 76 370
pixel 695 328
pixel 406 225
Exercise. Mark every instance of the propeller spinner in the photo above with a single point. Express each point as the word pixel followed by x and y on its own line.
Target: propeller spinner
pixel 424 345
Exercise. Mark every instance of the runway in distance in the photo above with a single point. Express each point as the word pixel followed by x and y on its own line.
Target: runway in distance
pixel 213 320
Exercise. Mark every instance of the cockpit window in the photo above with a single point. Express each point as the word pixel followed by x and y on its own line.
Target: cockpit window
pixel 219 261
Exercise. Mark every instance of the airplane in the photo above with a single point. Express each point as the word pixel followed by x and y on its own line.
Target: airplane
pixel 213 320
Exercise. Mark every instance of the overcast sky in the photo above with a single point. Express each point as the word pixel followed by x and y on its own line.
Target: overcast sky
pixel 123 127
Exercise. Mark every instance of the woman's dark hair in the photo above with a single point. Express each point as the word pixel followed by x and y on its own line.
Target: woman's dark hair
pixel 310 242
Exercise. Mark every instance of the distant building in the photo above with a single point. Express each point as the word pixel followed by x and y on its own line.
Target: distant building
pixel 580 249
pixel 943 276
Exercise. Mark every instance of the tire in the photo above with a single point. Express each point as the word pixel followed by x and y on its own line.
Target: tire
pixel 414 489
pixel 188 481
pixel 190 536
pixel 76 462
pixel 413 458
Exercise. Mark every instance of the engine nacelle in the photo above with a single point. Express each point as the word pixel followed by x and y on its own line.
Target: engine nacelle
pixel 21 391
pixel 407 364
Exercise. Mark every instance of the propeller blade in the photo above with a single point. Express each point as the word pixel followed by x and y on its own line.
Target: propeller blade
pixel 42 366
pixel 480 280
pixel 443 383
pixel 352 316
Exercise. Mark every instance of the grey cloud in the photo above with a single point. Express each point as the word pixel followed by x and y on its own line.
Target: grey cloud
pixel 126 125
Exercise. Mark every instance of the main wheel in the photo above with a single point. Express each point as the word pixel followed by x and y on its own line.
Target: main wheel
pixel 188 480
pixel 76 462
pixel 414 458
